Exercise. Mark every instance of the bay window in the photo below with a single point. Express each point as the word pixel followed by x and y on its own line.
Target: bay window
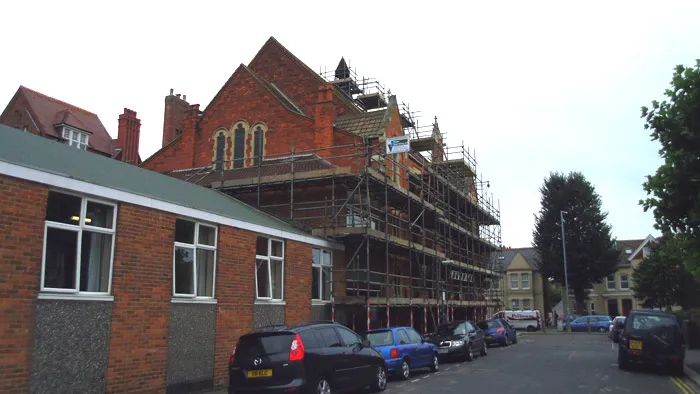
pixel 322 271
pixel 194 259
pixel 269 269
pixel 78 244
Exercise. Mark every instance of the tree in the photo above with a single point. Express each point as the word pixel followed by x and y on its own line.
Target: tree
pixel 590 251
pixel 675 187
pixel 661 280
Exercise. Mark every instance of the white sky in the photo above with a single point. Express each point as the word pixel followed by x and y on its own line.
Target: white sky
pixel 533 86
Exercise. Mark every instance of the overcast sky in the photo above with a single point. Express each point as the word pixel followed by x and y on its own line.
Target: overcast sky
pixel 533 87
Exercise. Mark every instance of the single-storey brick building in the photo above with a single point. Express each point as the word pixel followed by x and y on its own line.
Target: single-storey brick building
pixel 119 279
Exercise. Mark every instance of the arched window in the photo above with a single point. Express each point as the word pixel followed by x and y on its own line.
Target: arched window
pixel 258 145
pixel 239 146
pixel 220 149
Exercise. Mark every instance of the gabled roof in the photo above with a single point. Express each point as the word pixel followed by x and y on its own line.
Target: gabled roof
pixel 529 254
pixel 640 245
pixel 38 159
pixel 367 124
pixel 48 112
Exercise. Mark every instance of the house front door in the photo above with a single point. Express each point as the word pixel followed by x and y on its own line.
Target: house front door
pixel 626 306
pixel 612 308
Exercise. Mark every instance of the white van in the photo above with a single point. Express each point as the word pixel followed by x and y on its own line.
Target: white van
pixel 522 320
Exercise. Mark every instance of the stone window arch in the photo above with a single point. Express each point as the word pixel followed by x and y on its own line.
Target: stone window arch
pixel 239 130
pixel 258 142
pixel 219 156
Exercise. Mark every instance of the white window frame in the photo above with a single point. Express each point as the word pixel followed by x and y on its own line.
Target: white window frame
pixel 79 228
pixel 270 258
pixel 73 138
pixel 592 310
pixel 517 281
pixel 523 281
pixel 623 281
pixel 320 267
pixel 614 282
pixel 196 246
pixel 515 304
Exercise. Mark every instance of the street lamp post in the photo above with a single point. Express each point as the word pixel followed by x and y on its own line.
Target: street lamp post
pixel 566 274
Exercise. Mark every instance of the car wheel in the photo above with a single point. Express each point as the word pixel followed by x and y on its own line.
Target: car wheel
pixel 601 329
pixel 515 338
pixel 484 351
pixel 470 354
pixel 379 383
pixel 405 371
pixel 505 341
pixel 677 368
pixel 323 387
pixel 435 366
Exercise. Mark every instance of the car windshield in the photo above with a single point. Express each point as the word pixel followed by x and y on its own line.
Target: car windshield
pixel 641 323
pixel 452 329
pixel 381 338
pixel 485 325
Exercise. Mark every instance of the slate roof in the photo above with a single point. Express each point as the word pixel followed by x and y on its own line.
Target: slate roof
pixel 31 151
pixel 509 254
pixel 368 124
pixel 48 112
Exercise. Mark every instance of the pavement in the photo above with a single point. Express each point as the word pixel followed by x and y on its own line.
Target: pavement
pixel 555 362
pixel 692 365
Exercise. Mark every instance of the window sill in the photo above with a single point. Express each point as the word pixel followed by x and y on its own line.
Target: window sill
pixel 270 302
pixel 194 300
pixel 320 302
pixel 74 297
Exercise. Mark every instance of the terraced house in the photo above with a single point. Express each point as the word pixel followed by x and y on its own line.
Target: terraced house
pixel 339 157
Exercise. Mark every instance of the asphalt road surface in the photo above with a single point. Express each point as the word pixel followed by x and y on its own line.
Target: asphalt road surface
pixel 568 363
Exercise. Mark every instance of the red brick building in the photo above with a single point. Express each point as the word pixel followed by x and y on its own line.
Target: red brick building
pixel 119 279
pixel 48 117
pixel 342 158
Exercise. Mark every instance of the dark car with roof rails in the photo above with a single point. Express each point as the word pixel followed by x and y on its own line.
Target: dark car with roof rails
pixel 314 357
pixel 651 337
pixel 459 339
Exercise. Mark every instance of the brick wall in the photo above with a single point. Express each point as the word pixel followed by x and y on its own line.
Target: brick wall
pixel 235 293
pixel 22 214
pixel 142 286
pixel 297 282
pixel 168 158
pixel 15 115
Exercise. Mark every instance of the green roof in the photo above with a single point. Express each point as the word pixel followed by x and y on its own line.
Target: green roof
pixel 42 154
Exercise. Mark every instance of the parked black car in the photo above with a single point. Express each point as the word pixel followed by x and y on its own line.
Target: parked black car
pixel 651 337
pixel 459 339
pixel 317 357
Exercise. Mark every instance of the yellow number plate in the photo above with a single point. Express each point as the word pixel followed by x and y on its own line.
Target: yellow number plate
pixel 260 373
pixel 635 345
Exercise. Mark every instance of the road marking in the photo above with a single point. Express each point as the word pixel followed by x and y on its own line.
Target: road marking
pixel 682 385
pixel 415 380
pixel 571 355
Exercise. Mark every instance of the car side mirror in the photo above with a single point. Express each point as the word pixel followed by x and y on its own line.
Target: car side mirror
pixel 365 343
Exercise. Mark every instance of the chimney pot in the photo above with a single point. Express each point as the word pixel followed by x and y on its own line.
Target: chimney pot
pixel 178 95
pixel 171 91
pixel 184 97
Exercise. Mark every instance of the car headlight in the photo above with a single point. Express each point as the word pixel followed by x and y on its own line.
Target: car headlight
pixel 457 343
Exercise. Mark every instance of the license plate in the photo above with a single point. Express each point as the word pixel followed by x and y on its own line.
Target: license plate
pixel 443 350
pixel 488 337
pixel 635 345
pixel 260 373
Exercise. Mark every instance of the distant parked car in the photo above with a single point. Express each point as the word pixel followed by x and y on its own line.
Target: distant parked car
pixel 615 327
pixel 317 358
pixel 459 339
pixel 498 332
pixel 600 323
pixel 651 337
pixel 404 350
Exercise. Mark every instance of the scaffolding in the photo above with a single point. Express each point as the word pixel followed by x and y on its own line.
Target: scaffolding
pixel 419 230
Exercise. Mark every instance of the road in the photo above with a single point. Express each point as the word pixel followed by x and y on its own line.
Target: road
pixel 545 363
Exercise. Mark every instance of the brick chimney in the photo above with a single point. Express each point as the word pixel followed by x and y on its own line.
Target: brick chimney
pixel 324 116
pixel 173 120
pixel 190 125
pixel 128 136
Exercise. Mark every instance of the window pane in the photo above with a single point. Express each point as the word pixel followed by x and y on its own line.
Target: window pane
pixel 413 336
pixel 329 337
pixel 326 283
pixel 277 281
pixel 205 272
pixel 61 259
pixel 184 231
pixel 95 256
pixel 99 215
pixel 83 138
pixel 63 208
pixel 326 258
pixel 349 338
pixel 184 270
pixel 316 256
pixel 261 246
pixel 276 249
pixel 207 235
pixel 315 283
pixel 403 338
pixel 262 279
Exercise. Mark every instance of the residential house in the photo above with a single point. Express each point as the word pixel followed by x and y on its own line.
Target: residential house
pixel 119 279
pixel 342 158
pixel 59 121
pixel 520 283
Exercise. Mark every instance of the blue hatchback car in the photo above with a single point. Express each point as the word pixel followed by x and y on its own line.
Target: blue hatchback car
pixel 498 332
pixel 600 323
pixel 403 350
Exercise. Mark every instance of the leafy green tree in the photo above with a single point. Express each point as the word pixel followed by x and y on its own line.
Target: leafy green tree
pixel 675 188
pixel 661 280
pixel 590 251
